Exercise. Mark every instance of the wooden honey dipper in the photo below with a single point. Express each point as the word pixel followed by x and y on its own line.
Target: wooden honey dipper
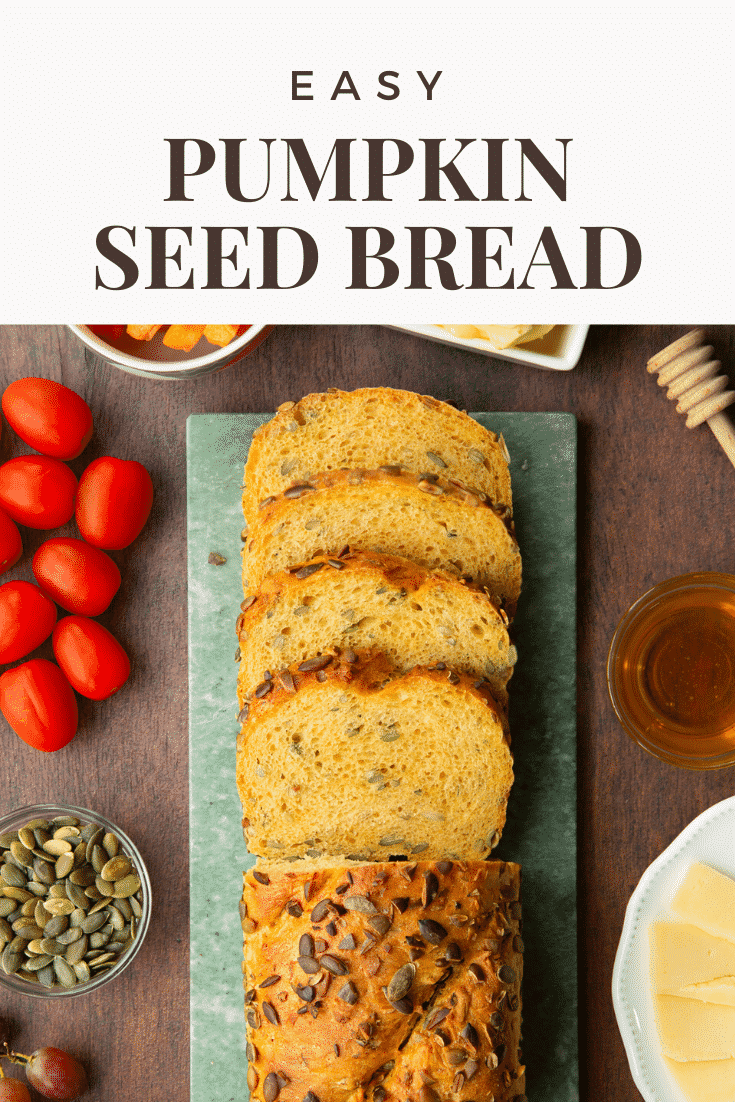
pixel 686 368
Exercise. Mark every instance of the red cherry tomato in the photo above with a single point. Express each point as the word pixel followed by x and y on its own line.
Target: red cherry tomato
pixel 27 617
pixel 11 545
pixel 48 416
pixel 90 656
pixel 39 704
pixel 37 491
pixel 113 502
pixel 79 577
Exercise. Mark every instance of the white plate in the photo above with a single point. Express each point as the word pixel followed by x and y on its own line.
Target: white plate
pixel 710 838
pixel 559 350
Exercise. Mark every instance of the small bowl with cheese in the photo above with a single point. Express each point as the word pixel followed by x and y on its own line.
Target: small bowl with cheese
pixel 551 347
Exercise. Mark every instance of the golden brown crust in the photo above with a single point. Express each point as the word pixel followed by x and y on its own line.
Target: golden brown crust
pixel 389 475
pixel 415 429
pixel 383 981
pixel 342 506
pixel 417 616
pixel 367 671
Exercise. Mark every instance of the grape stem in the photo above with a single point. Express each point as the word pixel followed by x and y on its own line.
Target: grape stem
pixel 14 1057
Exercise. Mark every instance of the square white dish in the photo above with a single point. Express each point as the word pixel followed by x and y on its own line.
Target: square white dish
pixel 559 350
pixel 709 839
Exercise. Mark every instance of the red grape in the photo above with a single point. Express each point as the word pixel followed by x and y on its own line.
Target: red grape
pixel 56 1074
pixel 14 1090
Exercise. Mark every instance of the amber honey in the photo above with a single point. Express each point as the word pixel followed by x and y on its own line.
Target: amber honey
pixel 671 671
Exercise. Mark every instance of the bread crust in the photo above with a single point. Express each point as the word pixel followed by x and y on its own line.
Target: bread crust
pixel 333 429
pixel 446 507
pixel 430 991
pixel 396 590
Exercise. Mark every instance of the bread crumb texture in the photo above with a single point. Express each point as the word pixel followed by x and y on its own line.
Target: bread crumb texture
pixel 353 758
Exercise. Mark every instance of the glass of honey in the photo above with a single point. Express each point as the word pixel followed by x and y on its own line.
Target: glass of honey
pixel 671 671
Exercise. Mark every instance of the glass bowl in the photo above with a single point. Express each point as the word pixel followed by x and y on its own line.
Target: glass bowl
pixel 18 819
pixel 671 671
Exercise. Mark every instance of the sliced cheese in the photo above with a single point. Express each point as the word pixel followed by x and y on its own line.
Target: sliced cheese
pixel 683 955
pixel 692 1030
pixel 707 1081
pixel 707 899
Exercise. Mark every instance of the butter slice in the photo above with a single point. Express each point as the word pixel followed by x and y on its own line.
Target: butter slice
pixel 706 1081
pixel 707 899
pixel 720 991
pixel 692 1030
pixel 684 957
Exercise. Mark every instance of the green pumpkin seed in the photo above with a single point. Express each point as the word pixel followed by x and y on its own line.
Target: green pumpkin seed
pixel 11 959
pixel 111 845
pixel 126 887
pixel 64 972
pixel 64 865
pixel 99 859
pixel 104 887
pixel 59 906
pixel 19 894
pixel 47 976
pixel 68 937
pixel 13 876
pixel 81 969
pixel 22 854
pixel 37 963
pixel 77 951
pixel 116 869
pixel 57 846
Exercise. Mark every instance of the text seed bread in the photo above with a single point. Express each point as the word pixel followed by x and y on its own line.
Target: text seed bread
pixel 387 982
pixel 364 601
pixel 349 758
pixel 432 522
pixel 370 428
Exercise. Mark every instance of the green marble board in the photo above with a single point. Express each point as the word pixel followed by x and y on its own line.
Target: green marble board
pixel 541 829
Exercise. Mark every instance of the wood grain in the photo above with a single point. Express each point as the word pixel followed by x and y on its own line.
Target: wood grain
pixel 652 498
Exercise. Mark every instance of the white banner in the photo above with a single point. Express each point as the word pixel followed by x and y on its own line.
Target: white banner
pixel 401 163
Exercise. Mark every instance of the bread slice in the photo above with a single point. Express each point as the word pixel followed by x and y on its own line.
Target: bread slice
pixel 432 522
pixel 348 758
pixel 369 428
pixel 363 600
pixel 367 981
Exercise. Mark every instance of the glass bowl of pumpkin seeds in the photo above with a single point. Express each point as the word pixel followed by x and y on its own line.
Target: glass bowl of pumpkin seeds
pixel 75 900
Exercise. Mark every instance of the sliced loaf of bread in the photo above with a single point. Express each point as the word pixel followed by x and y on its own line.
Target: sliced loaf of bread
pixel 369 428
pixel 348 759
pixel 364 600
pixel 435 523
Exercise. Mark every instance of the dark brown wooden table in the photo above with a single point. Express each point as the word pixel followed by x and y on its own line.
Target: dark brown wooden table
pixel 654 501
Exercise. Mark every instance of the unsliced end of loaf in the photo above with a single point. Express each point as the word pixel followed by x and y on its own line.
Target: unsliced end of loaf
pixel 346 758
pixel 383 976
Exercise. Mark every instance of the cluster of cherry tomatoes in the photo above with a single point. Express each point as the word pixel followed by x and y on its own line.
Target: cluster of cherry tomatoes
pixel 111 503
